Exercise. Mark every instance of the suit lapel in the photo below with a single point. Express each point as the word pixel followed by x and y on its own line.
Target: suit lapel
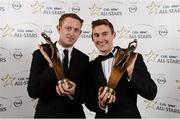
pixel 74 63
pixel 100 74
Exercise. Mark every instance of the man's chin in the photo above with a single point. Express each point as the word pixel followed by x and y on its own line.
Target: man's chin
pixel 70 44
pixel 103 51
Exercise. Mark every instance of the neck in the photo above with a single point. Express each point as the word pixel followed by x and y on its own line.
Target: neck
pixel 64 46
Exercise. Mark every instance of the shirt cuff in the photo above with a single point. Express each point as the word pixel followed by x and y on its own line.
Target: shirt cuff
pixel 129 79
pixel 70 97
pixel 105 109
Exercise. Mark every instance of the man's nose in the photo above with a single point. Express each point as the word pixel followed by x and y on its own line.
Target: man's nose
pixel 72 31
pixel 101 38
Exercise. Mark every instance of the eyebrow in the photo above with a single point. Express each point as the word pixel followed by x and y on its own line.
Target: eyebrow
pixel 102 32
pixel 105 32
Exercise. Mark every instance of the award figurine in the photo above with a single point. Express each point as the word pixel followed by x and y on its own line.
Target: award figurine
pixel 123 59
pixel 52 52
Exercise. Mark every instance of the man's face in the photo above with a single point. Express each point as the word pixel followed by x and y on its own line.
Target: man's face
pixel 103 38
pixel 69 32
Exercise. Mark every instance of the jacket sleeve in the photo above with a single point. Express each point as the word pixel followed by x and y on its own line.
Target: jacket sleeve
pixel 42 80
pixel 141 80
pixel 80 90
pixel 92 85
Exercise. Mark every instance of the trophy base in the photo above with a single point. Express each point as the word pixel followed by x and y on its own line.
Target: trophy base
pixel 110 91
pixel 65 81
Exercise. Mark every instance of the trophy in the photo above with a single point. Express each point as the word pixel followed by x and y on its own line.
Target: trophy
pixel 52 52
pixel 123 59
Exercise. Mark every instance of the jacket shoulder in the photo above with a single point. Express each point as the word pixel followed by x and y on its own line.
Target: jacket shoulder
pixel 80 54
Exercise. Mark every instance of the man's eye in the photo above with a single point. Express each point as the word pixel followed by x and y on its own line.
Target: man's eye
pixel 105 34
pixel 96 35
pixel 68 28
pixel 77 30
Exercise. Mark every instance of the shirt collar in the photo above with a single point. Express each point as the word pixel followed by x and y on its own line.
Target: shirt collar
pixel 113 51
pixel 60 48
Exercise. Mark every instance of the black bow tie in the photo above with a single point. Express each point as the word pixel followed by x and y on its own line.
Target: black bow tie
pixel 104 57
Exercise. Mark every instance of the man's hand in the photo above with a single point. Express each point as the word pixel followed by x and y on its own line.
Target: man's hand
pixel 64 89
pixel 130 68
pixel 45 55
pixel 105 98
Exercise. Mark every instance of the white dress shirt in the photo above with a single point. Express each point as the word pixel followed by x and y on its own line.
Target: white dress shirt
pixel 61 54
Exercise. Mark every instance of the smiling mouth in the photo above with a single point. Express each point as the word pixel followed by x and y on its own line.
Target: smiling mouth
pixel 102 44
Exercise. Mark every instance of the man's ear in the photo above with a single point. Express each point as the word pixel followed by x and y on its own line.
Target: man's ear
pixel 114 34
pixel 92 37
pixel 80 32
pixel 58 28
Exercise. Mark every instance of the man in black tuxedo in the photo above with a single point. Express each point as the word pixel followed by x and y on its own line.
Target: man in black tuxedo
pixel 55 99
pixel 136 80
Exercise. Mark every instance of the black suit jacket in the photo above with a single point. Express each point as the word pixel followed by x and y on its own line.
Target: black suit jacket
pixel 126 91
pixel 42 85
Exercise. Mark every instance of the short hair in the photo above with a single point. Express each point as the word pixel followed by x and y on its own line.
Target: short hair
pixel 102 22
pixel 71 15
